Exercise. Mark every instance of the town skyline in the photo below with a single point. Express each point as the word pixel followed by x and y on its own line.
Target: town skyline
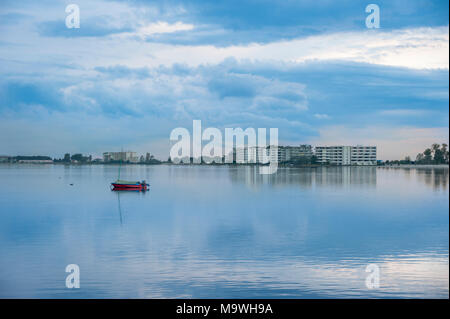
pixel 435 154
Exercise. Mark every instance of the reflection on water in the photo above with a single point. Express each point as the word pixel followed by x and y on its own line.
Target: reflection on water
pixel 119 207
pixel 436 178
pixel 307 177
pixel 219 231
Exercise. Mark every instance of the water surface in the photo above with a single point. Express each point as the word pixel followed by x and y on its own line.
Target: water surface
pixel 224 232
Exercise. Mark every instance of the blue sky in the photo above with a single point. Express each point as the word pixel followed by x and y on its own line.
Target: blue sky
pixel 135 70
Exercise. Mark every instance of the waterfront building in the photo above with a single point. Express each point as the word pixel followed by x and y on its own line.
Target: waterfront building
pixel 256 154
pixel 5 159
pixel 293 153
pixel 35 161
pixel 128 156
pixel 346 155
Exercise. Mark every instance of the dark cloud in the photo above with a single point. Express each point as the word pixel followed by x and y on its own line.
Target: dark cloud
pixel 226 22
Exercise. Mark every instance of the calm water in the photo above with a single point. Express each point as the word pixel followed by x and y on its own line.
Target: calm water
pixel 214 232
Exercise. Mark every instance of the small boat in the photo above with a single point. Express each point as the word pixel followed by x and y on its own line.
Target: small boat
pixel 129 185
pixel 120 185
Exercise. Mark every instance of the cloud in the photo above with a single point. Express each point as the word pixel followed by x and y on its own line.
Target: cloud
pixel 152 30
pixel 303 100
pixel 12 18
pixel 419 48
pixel 322 116
pixel 94 27
pixel 227 22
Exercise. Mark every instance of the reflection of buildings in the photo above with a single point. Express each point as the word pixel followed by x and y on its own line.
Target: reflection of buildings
pixel 120 156
pixel 340 176
pixel 307 176
pixel 347 155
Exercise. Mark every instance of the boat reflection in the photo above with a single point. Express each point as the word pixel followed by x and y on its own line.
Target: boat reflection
pixel 122 192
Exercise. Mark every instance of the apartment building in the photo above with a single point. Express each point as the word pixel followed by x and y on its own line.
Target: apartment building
pixel 121 156
pixel 279 154
pixel 364 155
pixel 254 154
pixel 292 153
pixel 346 155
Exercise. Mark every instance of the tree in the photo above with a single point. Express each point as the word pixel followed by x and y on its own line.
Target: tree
pixel 427 154
pixel 79 158
pixel 438 156
pixel 445 152
pixel 66 158
pixel 419 158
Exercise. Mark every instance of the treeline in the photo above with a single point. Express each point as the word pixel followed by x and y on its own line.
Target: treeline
pixel 437 154
pixel 75 158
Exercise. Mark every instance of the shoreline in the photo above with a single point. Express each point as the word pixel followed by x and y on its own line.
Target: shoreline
pixel 238 165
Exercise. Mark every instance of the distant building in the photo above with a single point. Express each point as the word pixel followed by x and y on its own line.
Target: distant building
pixel 120 156
pixel 280 154
pixel 33 159
pixel 347 155
pixel 255 154
pixel 293 153
pixel 5 159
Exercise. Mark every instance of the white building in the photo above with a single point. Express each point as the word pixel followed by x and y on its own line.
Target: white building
pixel 347 155
pixel 121 156
pixel 278 154
pixel 255 154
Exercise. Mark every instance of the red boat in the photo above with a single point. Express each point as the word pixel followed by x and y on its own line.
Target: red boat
pixel 127 185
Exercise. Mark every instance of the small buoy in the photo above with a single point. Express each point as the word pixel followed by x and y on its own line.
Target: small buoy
pixel 71 184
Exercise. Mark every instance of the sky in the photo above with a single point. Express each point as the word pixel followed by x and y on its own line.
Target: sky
pixel 136 70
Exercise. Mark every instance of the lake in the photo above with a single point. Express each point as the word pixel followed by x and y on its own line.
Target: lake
pixel 224 232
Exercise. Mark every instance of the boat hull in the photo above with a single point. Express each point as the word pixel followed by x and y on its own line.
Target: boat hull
pixel 131 187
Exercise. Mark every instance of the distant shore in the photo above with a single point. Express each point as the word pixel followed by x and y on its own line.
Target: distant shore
pixel 416 165
pixel 280 165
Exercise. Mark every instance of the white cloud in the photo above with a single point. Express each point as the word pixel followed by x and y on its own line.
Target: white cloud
pixel 322 116
pixel 159 27
pixel 419 48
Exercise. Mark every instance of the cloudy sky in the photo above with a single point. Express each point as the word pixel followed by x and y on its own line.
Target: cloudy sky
pixel 135 70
